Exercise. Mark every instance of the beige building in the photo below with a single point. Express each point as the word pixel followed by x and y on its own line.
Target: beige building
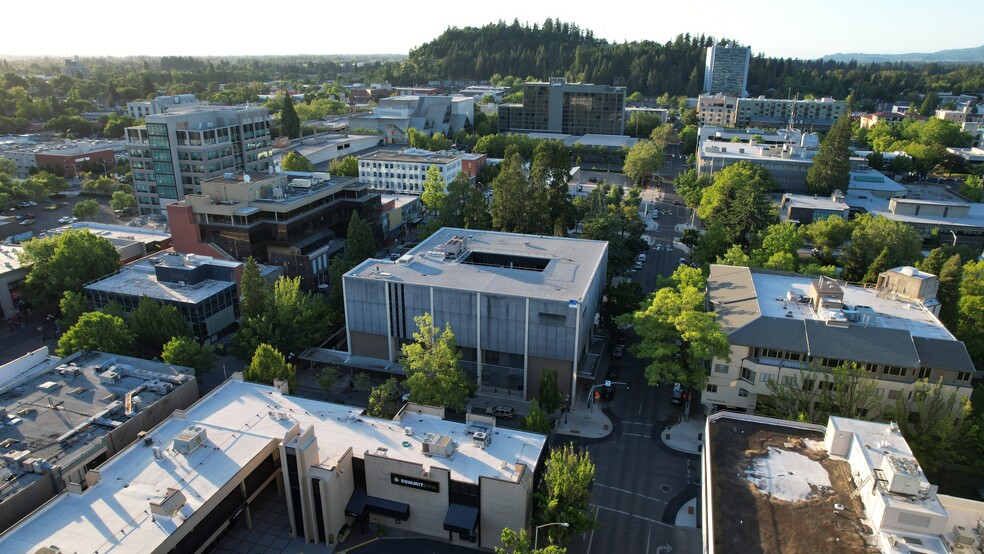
pixel 404 172
pixel 204 468
pixel 792 328
pixel 731 111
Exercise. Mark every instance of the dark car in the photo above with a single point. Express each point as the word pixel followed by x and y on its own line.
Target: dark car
pixel 619 351
pixel 612 374
pixel 607 393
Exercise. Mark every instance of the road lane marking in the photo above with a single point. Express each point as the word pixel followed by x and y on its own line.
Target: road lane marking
pixel 635 435
pixel 591 540
pixel 623 512
pixel 652 498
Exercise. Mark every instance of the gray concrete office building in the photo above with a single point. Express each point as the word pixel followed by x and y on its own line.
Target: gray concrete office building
pixel 175 151
pixel 517 304
pixel 726 70
pixel 566 108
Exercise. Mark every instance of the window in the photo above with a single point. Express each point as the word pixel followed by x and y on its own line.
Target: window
pixel 894 394
pixel 963 376
pixel 764 377
pixel 808 384
pixel 893 370
pixel 720 368
pixel 742 392
pixel 748 375
pixel 924 372
pixel 789 380
pixel 712 388
pixel 879 393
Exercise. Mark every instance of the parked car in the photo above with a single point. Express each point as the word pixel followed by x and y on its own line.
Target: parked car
pixel 637 266
pixel 612 373
pixel 505 412
pixel 655 214
pixel 642 257
pixel 66 219
pixel 607 393
pixel 683 261
pixel 27 222
pixel 619 351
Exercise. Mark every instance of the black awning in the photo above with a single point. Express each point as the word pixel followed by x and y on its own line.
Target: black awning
pixel 357 503
pixel 461 519
pixel 360 503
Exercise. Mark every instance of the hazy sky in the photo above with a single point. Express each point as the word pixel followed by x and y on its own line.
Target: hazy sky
pixel 219 27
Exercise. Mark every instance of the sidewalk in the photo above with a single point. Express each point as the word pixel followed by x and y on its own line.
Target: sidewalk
pixel 685 436
pixel 584 422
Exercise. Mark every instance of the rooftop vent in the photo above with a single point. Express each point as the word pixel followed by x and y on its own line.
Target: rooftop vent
pixel 171 502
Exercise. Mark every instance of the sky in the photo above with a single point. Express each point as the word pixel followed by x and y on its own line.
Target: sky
pixel 796 29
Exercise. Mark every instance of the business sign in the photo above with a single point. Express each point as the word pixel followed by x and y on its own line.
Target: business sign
pixel 415 483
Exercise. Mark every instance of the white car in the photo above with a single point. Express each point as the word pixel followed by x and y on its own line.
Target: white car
pixel 642 257
pixel 66 219
pixel 637 266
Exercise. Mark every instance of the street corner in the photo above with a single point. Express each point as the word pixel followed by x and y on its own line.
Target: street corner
pixel 585 423
pixel 685 436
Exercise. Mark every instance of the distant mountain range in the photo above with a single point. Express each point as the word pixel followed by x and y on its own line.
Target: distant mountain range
pixel 958 55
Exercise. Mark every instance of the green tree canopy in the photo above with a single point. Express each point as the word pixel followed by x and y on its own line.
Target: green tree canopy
pixel 268 365
pixel 86 209
pixel 384 400
pixel 510 196
pixel 677 335
pixel 65 262
pixel 292 321
pixel 874 235
pixel 185 351
pixel 296 162
pixel 122 201
pixel 738 198
pixel 538 420
pixel 72 305
pixel 549 395
pixel 565 495
pixel 828 234
pixel 155 324
pixel 434 190
pixel 931 422
pixel 434 377
pixel 347 166
pixel 96 331
pixel 254 291
pixel 644 158
pixel 832 165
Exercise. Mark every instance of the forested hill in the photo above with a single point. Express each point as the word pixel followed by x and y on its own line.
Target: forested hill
pixel 558 49
pixel 675 67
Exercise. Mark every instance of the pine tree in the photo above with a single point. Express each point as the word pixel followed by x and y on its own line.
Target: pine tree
pixel 831 167
pixel 290 123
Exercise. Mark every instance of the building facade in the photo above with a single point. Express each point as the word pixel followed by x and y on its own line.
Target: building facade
pixel 566 108
pixel 69 159
pixel 175 151
pixel 281 219
pixel 202 289
pixel 404 172
pixel 328 466
pixel 517 304
pixel 726 70
pixel 792 329
pixel 768 113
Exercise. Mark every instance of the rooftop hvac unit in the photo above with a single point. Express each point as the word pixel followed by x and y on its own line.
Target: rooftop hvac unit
pixel 903 475
pixel 481 439
pixel 963 535
pixel 301 183
pixel 49 387
pixel 190 439
pixel 171 502
pixel 439 445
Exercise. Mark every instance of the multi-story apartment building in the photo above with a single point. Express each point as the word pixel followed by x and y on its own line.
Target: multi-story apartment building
pixel 731 111
pixel 69 159
pixel 726 70
pixel 783 327
pixel 175 151
pixel 160 104
pixel 296 221
pixel 517 304
pixel 566 108
pixel 405 172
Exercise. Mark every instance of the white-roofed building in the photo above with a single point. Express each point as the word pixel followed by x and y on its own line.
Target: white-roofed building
pixel 206 466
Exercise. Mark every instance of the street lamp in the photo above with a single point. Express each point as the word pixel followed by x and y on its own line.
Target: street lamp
pixel 536 532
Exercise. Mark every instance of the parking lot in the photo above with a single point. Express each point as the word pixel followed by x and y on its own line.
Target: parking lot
pixel 46 216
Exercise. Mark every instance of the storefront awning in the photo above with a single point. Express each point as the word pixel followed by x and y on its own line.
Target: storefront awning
pixel 461 519
pixel 360 503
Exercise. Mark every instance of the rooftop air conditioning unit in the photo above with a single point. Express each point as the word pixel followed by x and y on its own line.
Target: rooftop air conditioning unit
pixel 190 439
pixel 439 445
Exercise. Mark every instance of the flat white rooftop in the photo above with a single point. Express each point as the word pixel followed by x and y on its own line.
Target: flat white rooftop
pixel 240 420
pixel 116 233
pixel 889 314
pixel 568 265
pixel 140 279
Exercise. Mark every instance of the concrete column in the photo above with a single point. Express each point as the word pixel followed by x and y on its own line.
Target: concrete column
pixel 526 353
pixel 478 337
